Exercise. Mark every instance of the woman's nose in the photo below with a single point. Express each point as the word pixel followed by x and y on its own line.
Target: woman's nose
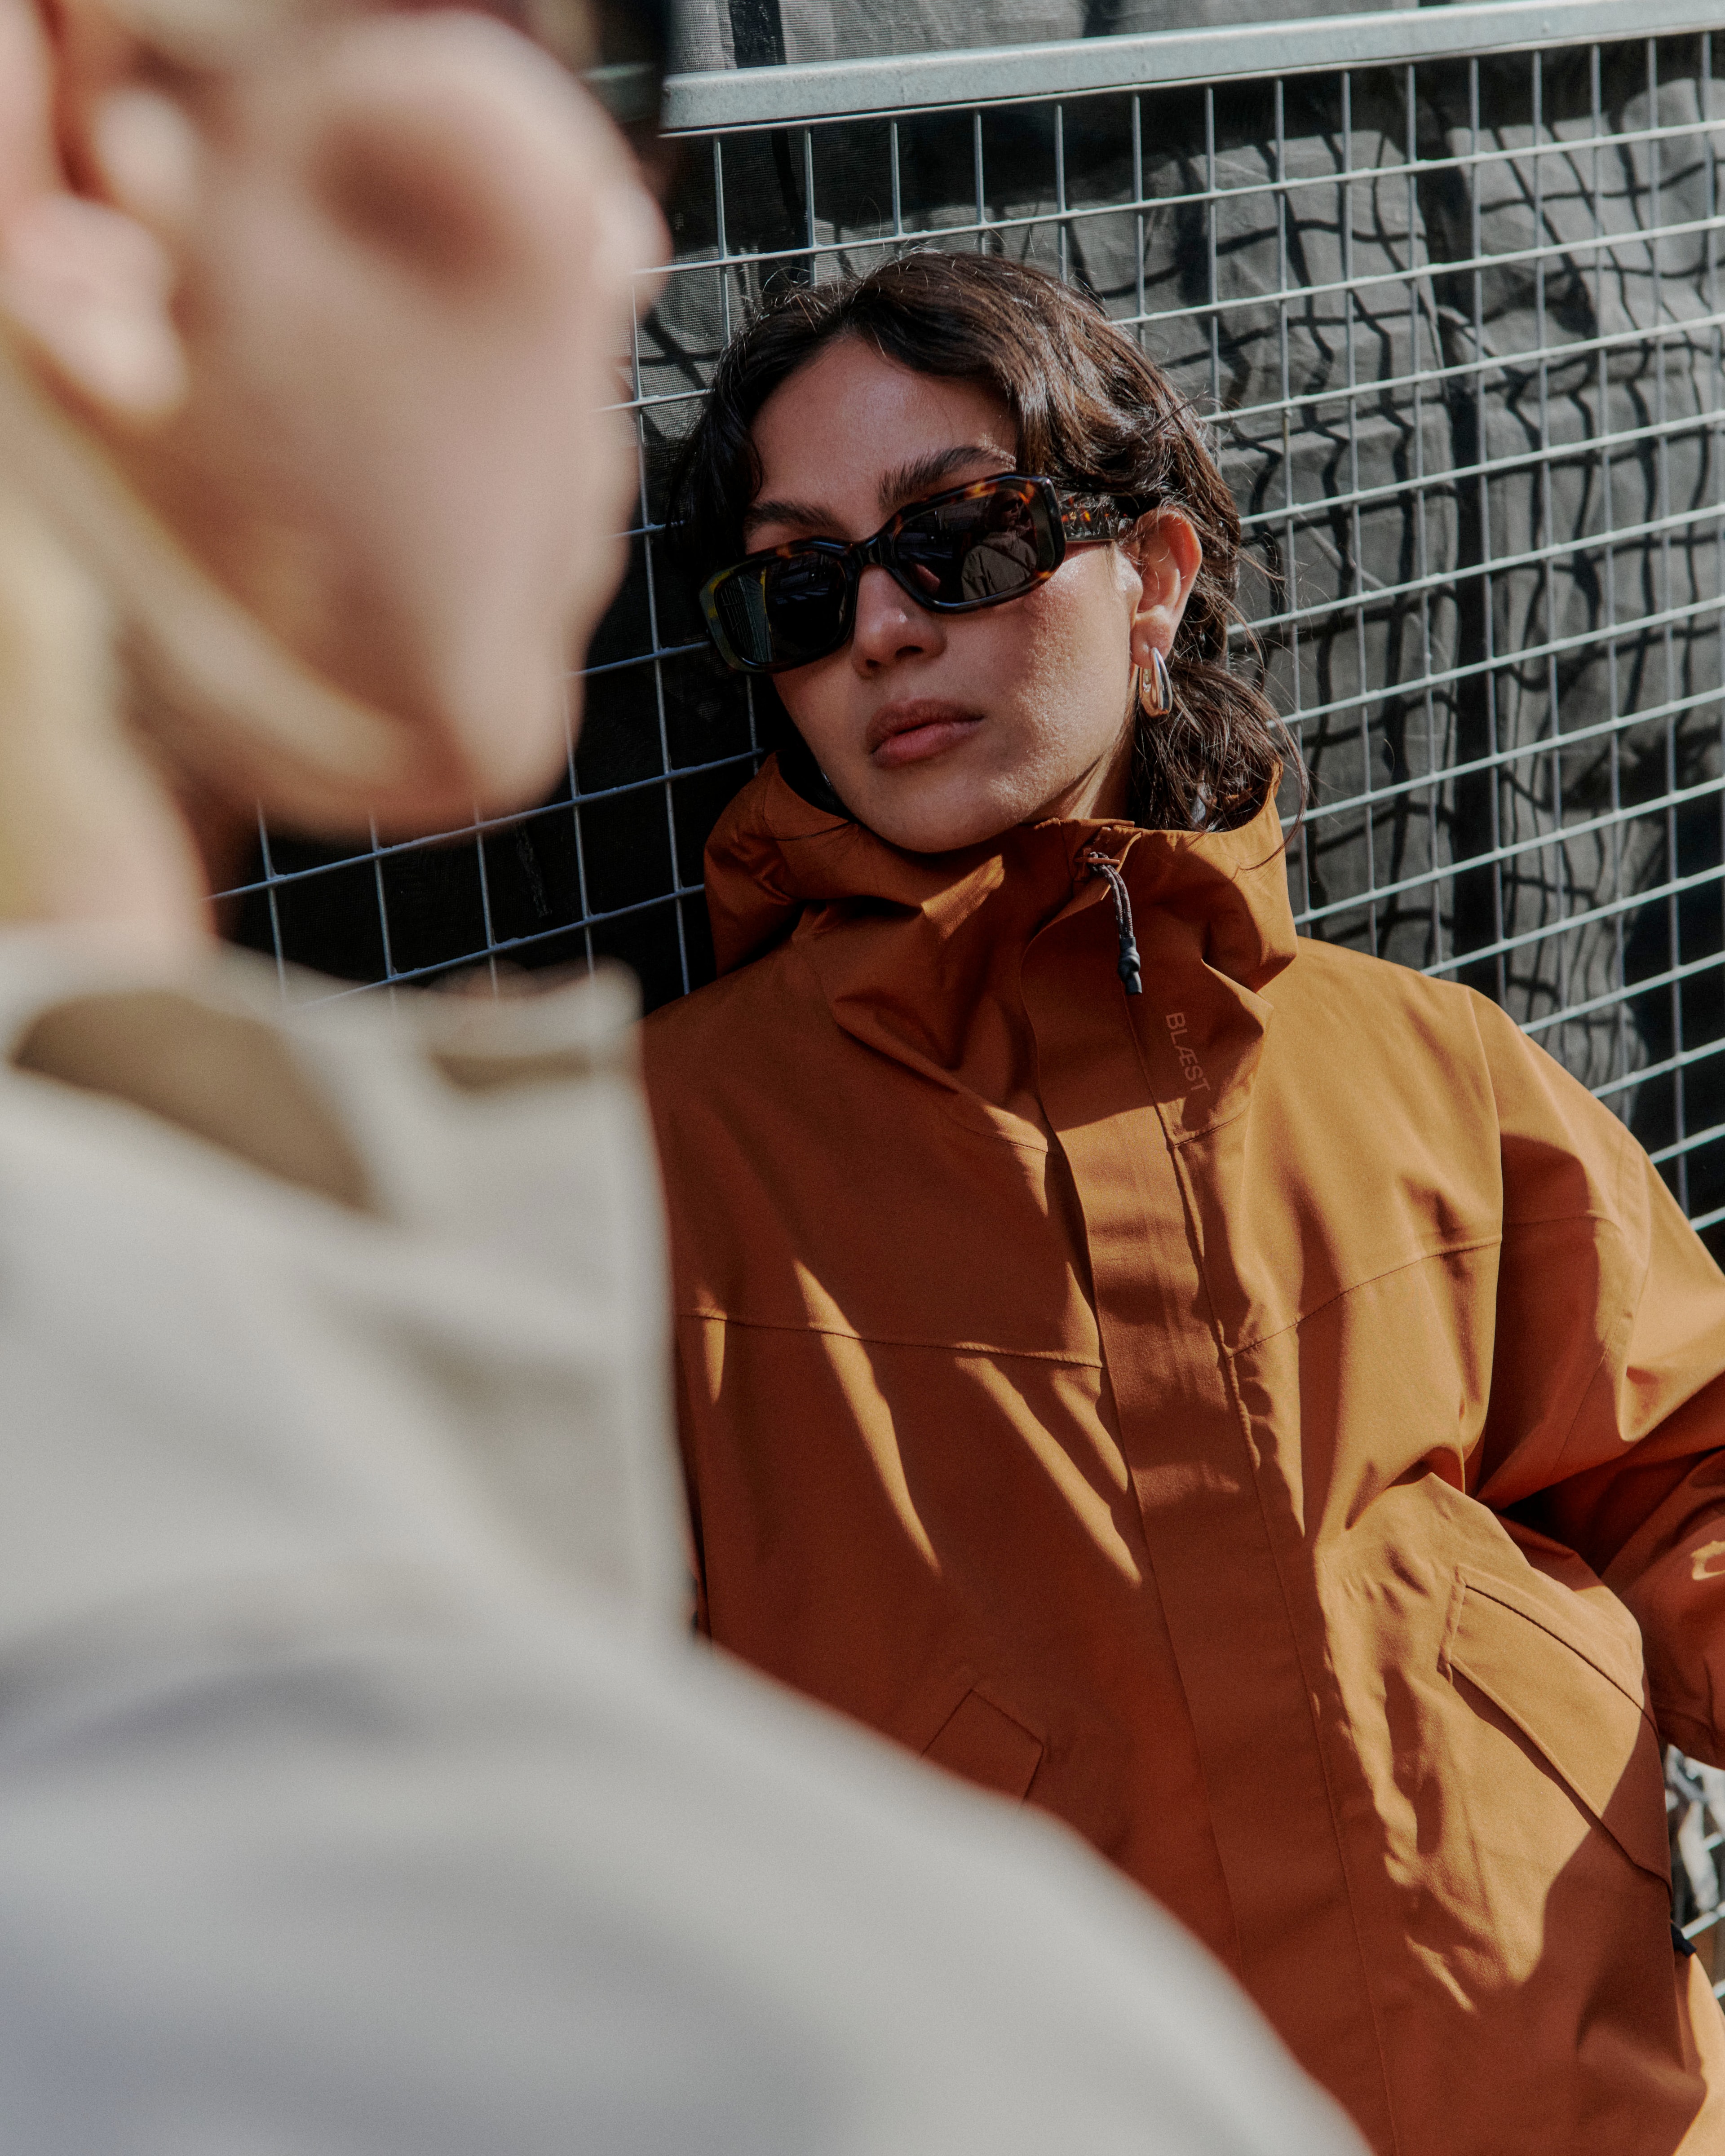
pixel 890 624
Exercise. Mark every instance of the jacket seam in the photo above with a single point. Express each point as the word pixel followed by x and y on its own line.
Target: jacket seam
pixel 1177 1139
pixel 1558 1219
pixel 969 1347
pixel 1483 1588
pixel 1036 1147
pixel 1368 1280
pixel 1321 1746
pixel 1314 1690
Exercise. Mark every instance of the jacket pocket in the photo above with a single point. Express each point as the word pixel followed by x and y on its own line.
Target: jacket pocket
pixel 1571 1697
pixel 987 1745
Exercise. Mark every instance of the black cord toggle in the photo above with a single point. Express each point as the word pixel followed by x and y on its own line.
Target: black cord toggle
pixel 1130 970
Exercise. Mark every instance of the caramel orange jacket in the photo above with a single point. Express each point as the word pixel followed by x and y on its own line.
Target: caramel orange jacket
pixel 1272 1422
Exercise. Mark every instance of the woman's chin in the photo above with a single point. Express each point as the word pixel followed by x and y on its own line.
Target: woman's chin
pixel 936 828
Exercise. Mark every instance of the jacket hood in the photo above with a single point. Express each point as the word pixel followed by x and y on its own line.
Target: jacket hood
pixel 773 858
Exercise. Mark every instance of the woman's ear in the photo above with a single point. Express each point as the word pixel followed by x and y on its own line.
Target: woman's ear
pixel 86 282
pixel 1164 551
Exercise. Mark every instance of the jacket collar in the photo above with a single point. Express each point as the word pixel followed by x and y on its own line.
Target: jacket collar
pixel 775 859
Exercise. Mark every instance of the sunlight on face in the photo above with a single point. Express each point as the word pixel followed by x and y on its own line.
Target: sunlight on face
pixel 942 731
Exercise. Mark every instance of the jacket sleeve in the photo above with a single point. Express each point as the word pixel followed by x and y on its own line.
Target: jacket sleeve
pixel 1605 1426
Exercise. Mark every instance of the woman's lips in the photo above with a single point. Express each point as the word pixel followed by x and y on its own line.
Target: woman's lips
pixel 912 733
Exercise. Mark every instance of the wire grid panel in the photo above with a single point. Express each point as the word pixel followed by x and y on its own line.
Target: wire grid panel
pixel 1456 320
pixel 1695 1815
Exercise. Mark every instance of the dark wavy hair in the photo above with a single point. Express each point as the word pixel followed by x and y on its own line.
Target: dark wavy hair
pixel 1091 412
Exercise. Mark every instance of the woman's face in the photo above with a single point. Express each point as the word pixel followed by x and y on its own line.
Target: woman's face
pixel 941 731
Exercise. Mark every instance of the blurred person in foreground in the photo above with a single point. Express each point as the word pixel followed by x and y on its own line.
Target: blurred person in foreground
pixel 357 1787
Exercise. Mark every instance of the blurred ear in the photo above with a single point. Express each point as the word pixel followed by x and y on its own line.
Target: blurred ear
pixel 27 160
pixel 1164 550
pixel 89 159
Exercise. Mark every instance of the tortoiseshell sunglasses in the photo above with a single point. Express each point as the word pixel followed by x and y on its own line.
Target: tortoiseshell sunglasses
pixel 954 553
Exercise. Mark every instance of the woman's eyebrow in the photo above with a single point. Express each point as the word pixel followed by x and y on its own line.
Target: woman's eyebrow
pixel 921 475
pixel 924 473
pixel 802 516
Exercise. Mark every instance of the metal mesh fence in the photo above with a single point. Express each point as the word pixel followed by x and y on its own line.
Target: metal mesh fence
pixel 1448 283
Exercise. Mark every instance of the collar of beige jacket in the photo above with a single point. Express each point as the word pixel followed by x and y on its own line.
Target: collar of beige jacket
pixel 288 1073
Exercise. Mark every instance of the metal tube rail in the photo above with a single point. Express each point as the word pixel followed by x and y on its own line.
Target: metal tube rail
pixel 727 99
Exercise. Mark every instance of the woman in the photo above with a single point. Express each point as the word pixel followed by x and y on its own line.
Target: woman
pixel 1232 1393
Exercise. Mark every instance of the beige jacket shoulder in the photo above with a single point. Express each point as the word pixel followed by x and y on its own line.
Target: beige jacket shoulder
pixel 478 1314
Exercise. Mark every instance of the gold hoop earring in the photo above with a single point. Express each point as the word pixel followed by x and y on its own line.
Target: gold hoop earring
pixel 1162 687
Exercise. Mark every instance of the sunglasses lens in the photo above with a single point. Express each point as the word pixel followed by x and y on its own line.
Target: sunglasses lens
pixel 783 611
pixel 805 605
pixel 959 553
pixel 987 544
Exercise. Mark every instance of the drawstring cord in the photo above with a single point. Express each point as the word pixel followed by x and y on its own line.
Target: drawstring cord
pixel 1131 972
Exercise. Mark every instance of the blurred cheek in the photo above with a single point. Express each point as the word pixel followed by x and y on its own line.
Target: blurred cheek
pixel 405 308
pixel 513 249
